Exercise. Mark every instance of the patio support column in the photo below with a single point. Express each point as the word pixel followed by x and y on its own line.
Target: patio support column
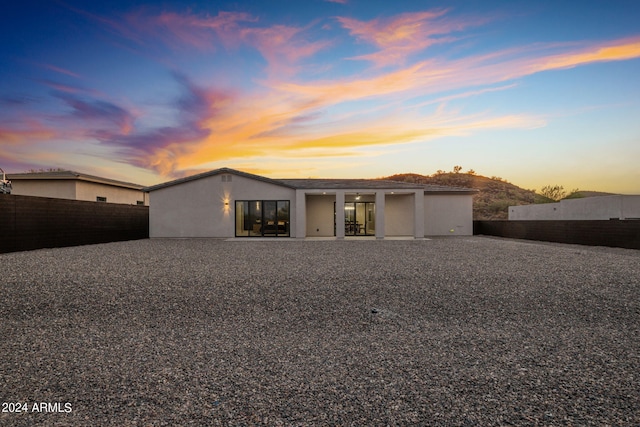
pixel 340 214
pixel 380 199
pixel 418 228
pixel 301 214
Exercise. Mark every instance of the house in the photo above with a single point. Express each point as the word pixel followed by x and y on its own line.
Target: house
pixel 588 208
pixel 77 186
pixel 229 203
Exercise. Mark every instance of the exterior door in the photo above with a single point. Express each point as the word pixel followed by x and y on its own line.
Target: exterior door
pixel 359 219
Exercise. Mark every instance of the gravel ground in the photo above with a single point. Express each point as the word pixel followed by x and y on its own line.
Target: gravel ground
pixel 442 332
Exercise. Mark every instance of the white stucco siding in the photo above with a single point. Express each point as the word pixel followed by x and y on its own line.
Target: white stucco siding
pixel 320 215
pixel 400 211
pixel 533 212
pixel 446 212
pixel 589 208
pixel 91 190
pixel 197 208
pixel 630 207
pixel 59 189
pixel 600 208
pixel 74 189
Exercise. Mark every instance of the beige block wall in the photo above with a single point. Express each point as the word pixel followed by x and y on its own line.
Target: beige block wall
pixel 91 190
pixel 76 190
pixel 197 208
pixel 399 215
pixel 533 212
pixel 446 212
pixel 588 208
pixel 320 215
pixel 59 189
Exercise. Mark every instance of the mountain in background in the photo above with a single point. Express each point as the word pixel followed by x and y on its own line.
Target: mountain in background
pixel 495 196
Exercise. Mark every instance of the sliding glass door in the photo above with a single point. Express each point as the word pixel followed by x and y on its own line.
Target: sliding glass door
pixel 359 218
pixel 257 218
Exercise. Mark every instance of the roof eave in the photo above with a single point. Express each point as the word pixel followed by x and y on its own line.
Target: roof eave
pixel 214 173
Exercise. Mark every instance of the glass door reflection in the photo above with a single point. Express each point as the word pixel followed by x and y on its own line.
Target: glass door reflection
pixel 359 219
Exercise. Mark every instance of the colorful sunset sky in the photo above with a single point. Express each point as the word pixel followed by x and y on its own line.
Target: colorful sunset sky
pixel 543 92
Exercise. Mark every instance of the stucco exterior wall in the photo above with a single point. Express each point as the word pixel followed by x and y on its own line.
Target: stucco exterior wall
pixel 589 208
pixel 446 212
pixel 205 206
pixel 631 207
pixel 535 212
pixel 320 215
pixel 58 189
pixel 90 190
pixel 400 210
pixel 197 208
pixel 77 190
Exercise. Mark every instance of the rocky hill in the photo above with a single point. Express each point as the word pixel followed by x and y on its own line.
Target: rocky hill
pixel 493 199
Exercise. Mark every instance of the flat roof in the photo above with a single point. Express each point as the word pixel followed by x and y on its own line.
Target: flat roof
pixel 67 175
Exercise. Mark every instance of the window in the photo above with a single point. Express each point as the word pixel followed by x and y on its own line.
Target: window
pixel 101 199
pixel 139 203
pixel 226 178
pixel 257 218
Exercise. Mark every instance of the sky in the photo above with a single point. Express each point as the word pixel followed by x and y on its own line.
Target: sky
pixel 535 92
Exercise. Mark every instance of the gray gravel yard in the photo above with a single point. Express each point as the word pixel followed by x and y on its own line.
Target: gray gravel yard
pixel 444 332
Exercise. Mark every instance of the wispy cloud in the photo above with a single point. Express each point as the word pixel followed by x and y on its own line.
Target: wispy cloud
pixel 160 148
pixel 31 131
pixel 176 30
pixel 400 36
pixel 286 114
pixel 61 70
pixel 282 46
pixel 441 75
pixel 290 119
pixel 617 50
pixel 99 112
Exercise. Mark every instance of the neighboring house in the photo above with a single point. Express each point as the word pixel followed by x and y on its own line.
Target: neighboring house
pixel 588 208
pixel 230 203
pixel 77 186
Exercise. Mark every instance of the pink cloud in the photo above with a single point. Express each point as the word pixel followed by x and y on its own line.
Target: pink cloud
pixel 282 46
pixel 99 112
pixel 162 148
pixel 439 75
pixel 29 132
pixel 177 30
pixel 294 118
pixel 289 119
pixel 617 50
pixel 67 88
pixel 403 35
pixel 61 70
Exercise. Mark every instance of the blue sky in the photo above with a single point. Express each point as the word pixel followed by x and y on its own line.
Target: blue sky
pixel 537 93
